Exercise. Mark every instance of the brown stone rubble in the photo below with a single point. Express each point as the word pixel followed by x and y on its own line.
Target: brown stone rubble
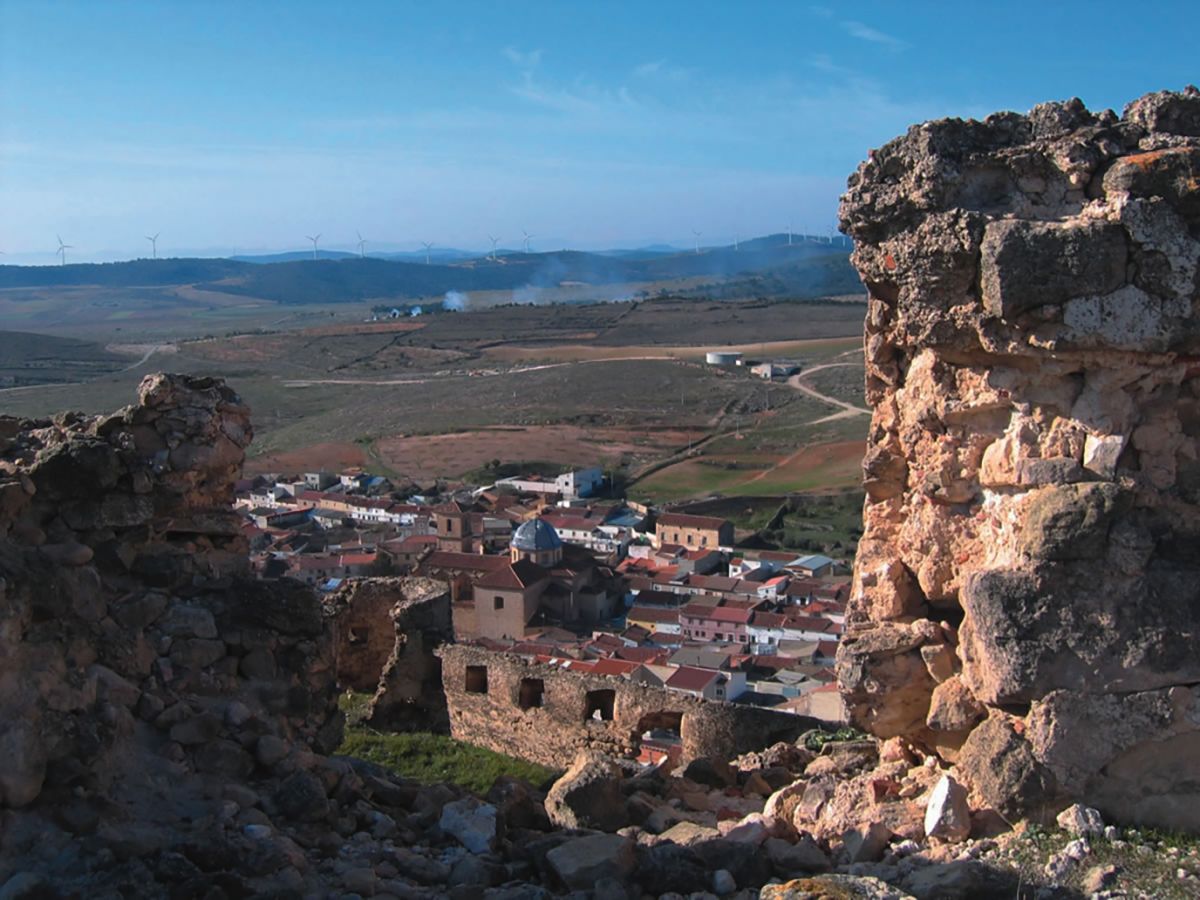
pixel 1026 600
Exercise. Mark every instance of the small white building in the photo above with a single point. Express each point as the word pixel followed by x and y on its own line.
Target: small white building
pixel 570 485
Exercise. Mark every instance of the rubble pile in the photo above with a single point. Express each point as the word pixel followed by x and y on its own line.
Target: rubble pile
pixel 1026 600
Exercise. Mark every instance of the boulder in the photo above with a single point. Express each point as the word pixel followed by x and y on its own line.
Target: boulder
pixel 866 842
pixel 790 860
pixel 1078 820
pixel 947 814
pixel 472 823
pixel 581 862
pixel 301 796
pixel 588 795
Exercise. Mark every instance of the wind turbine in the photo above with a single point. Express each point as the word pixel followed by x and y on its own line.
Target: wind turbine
pixel 63 248
pixel 697 234
pixel 362 242
pixel 789 234
pixel 314 242
pixel 154 244
pixel 427 245
pixel 495 241
pixel 735 242
pixel 527 237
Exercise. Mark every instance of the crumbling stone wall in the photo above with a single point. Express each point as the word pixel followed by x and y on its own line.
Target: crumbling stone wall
pixel 362 629
pixel 409 695
pixel 540 712
pixel 140 668
pixel 1026 596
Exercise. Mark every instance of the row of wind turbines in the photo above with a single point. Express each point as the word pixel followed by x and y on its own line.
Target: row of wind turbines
pixel 61 252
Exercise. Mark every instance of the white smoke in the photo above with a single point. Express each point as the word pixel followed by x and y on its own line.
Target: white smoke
pixel 526 296
pixel 415 311
pixel 455 302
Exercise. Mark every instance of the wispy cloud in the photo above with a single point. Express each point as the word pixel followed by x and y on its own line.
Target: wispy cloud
pixel 530 59
pixel 873 35
pixel 823 62
pixel 661 69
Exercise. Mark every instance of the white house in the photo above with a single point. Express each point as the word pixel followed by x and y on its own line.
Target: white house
pixel 569 485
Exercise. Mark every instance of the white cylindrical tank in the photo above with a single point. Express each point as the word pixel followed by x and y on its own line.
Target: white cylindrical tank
pixel 723 358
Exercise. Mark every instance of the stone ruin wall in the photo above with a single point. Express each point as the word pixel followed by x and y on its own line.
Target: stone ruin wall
pixel 408 694
pixel 554 732
pixel 1026 597
pixel 135 651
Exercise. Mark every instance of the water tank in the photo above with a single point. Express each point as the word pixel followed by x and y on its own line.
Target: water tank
pixel 723 358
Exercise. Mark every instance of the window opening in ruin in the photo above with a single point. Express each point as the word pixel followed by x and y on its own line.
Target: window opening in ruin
pixel 476 680
pixel 658 738
pixel 600 706
pixel 530 694
pixel 497 603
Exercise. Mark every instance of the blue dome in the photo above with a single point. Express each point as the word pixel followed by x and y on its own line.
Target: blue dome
pixel 536 534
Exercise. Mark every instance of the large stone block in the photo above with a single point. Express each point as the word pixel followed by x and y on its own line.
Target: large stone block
pixel 1027 264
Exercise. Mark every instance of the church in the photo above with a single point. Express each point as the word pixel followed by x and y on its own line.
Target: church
pixel 543 582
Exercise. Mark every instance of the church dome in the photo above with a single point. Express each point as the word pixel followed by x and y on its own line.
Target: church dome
pixel 536 535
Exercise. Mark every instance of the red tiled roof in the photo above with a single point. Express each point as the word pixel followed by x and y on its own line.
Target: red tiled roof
pixel 635 633
pixel 412 543
pixel 809 623
pixel 452 559
pixel 683 520
pixel 687 678
pixel 643 654
pixel 516 576
pixel 730 614
pixel 613 667
pixel 827 648
pixel 735 615
pixel 719 583
pixel 779 556
pixel 773 662
pixel 768 620
pixel 658 614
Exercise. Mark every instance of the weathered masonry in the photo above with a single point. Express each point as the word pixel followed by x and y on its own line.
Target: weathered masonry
pixel 1026 595
pixel 540 712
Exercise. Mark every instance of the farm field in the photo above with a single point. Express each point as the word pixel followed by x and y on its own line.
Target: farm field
pixel 441 396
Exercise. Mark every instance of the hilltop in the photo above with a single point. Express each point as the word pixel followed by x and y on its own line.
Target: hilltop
pixel 803 269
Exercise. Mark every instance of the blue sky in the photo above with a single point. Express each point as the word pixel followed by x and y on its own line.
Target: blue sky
pixel 237 127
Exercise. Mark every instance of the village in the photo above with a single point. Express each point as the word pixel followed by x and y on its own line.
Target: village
pixel 550 569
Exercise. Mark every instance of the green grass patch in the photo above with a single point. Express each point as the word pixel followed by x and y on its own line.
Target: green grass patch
pixel 431 758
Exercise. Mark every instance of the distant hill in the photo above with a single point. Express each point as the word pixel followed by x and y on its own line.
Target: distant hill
pixel 293 256
pixel 134 273
pixel 768 266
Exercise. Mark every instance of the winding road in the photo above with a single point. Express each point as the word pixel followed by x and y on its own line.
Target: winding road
pixel 848 409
